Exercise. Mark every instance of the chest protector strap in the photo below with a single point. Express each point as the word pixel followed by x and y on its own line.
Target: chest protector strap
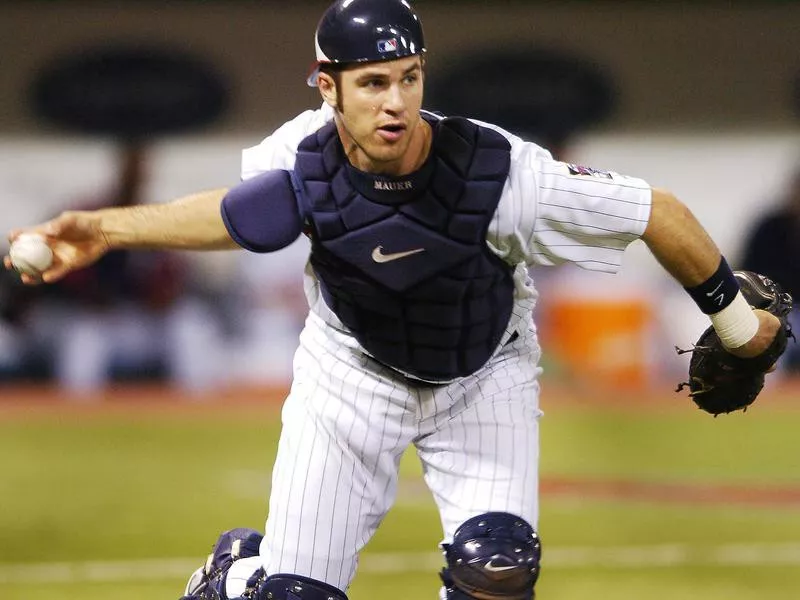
pixel 403 262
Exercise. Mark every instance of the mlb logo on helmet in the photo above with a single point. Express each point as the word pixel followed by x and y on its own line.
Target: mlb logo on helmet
pixel 387 45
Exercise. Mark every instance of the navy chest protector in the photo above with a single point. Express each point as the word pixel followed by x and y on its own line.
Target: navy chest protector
pixel 403 262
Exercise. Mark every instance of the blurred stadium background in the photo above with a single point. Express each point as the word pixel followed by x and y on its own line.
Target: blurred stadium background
pixel 132 432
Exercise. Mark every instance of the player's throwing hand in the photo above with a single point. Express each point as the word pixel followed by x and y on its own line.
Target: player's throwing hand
pixel 75 239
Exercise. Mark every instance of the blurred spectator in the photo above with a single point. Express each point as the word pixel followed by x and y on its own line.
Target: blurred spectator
pixel 19 359
pixel 772 249
pixel 129 317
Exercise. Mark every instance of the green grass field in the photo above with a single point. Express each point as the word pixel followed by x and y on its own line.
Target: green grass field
pixel 123 500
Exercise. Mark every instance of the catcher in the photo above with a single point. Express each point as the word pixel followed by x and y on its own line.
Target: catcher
pixel 722 378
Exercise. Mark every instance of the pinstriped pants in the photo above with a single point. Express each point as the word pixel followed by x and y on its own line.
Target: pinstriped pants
pixel 347 422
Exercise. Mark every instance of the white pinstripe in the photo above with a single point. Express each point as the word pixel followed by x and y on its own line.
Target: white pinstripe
pixel 348 419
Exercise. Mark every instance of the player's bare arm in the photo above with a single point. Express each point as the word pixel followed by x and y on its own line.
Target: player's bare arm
pixel 79 238
pixel 678 241
pixel 687 252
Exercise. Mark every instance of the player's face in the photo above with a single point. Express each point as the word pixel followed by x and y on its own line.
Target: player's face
pixel 379 122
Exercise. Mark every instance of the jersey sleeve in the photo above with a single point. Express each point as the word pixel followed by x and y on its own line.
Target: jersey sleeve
pixel 262 213
pixel 557 212
pixel 278 151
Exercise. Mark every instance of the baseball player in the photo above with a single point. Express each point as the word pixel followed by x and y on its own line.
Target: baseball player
pixel 420 327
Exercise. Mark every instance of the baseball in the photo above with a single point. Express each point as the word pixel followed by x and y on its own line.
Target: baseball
pixel 30 254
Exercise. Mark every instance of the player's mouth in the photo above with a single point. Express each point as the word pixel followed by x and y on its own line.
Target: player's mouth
pixel 392 132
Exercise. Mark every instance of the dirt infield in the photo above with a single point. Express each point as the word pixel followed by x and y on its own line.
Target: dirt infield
pixel 673 493
pixel 783 394
pixel 140 400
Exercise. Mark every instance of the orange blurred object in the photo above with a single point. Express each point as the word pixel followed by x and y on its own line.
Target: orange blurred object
pixel 604 339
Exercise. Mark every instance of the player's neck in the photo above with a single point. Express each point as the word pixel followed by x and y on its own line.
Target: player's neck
pixel 412 159
pixel 418 148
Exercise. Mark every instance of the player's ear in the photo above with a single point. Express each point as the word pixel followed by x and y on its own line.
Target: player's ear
pixel 327 89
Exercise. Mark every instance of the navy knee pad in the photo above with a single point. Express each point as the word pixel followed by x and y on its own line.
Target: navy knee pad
pixel 492 556
pixel 295 587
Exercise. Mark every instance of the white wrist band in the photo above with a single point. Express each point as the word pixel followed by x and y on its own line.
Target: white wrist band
pixel 736 324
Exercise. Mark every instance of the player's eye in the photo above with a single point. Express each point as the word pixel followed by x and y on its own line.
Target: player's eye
pixel 373 83
pixel 411 78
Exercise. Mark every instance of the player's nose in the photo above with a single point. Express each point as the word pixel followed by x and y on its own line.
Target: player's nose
pixel 394 101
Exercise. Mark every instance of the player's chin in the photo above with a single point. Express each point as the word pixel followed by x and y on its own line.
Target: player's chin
pixel 387 151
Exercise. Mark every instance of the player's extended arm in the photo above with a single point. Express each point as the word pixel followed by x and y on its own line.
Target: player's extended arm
pixel 686 251
pixel 79 238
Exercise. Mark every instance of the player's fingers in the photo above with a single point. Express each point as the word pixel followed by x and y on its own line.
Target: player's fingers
pixel 7 262
pixel 29 279
pixel 55 273
pixel 14 234
pixel 57 227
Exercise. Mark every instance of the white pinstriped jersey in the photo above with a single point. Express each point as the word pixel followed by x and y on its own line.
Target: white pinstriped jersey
pixel 550 212
pixel 348 419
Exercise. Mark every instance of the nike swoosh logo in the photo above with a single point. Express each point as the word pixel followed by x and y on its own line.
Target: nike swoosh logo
pixel 379 257
pixel 714 291
pixel 489 566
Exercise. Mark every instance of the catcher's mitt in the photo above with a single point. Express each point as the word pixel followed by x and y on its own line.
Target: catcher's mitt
pixel 720 382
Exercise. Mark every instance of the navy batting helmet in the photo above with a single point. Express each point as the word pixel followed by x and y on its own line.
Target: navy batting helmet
pixel 353 31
